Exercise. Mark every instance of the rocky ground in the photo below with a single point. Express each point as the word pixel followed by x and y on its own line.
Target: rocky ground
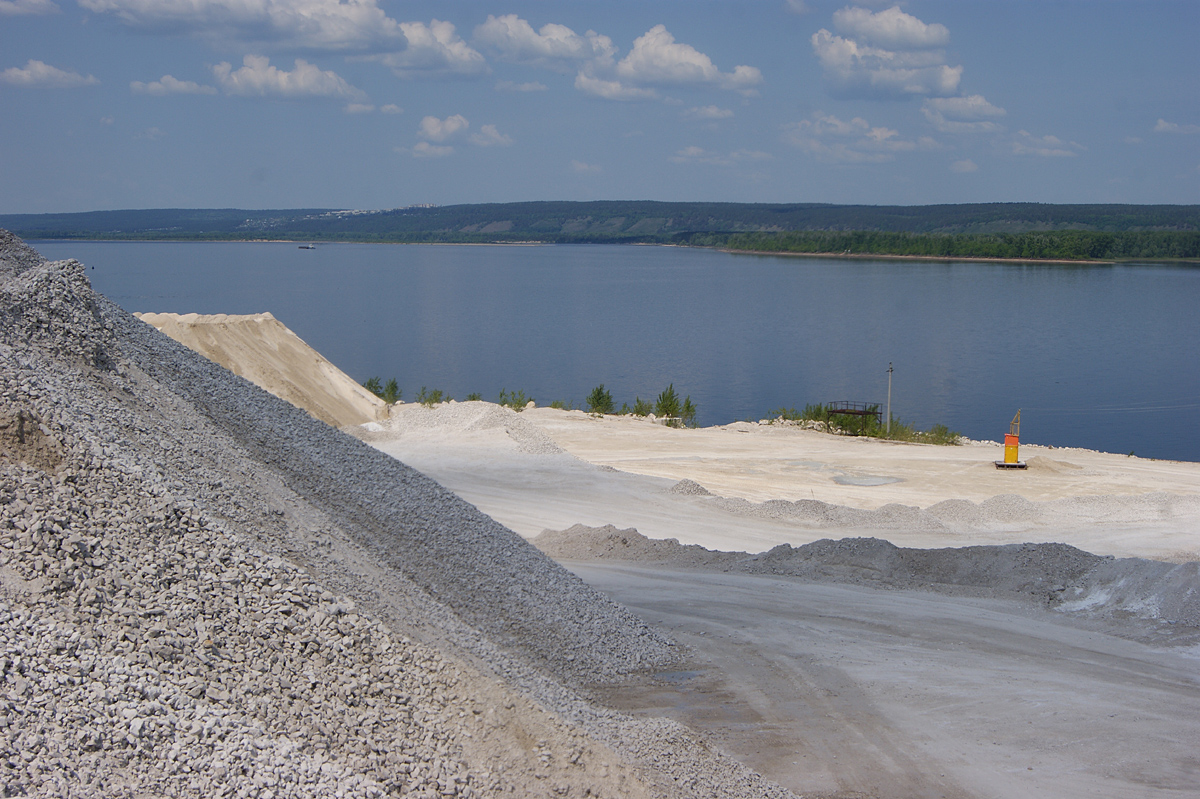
pixel 207 592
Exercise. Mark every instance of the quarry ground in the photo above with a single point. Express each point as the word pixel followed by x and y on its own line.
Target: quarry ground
pixel 844 688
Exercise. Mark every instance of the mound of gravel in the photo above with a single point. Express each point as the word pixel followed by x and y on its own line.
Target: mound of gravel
pixel 205 592
pixel 1053 575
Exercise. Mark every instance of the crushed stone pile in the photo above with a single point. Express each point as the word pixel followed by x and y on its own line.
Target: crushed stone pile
pixel 1058 576
pixel 204 591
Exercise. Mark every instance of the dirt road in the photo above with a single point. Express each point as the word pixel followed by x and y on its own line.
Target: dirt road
pixel 841 691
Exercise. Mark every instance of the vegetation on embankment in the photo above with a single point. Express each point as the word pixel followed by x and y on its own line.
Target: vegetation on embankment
pixel 870 424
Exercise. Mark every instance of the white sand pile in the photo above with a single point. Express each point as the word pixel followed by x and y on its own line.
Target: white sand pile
pixel 206 591
pixel 268 354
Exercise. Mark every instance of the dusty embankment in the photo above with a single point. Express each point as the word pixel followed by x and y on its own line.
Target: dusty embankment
pixel 206 591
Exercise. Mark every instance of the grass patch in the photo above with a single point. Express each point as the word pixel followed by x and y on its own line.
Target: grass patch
pixel 852 425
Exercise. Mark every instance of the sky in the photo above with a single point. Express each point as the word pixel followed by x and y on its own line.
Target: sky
pixel 372 104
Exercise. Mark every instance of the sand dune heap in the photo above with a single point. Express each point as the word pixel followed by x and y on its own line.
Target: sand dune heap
pixel 204 591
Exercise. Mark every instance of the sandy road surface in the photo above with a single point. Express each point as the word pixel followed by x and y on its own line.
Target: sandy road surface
pixel 843 691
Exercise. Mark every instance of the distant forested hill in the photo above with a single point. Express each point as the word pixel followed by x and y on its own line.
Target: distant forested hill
pixel 740 225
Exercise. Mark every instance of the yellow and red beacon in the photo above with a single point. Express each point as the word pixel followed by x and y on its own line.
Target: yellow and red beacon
pixel 1011 442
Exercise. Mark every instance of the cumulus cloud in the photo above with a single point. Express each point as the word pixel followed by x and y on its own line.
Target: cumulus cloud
pixel 170 85
pixel 509 86
pixel 17 8
pixel 656 58
pixel 853 141
pixel 886 54
pixel 435 129
pixel 40 75
pixel 391 108
pixel 698 155
pixel 972 114
pixel 797 7
pixel 424 149
pixel 1026 143
pixel 434 50
pixel 964 166
pixel 708 112
pixel 553 46
pixel 326 24
pixel 489 136
pixel 611 89
pixel 583 168
pixel 257 78
pixel 891 28
pixel 1164 126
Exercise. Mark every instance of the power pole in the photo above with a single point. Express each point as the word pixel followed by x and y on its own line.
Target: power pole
pixel 889 405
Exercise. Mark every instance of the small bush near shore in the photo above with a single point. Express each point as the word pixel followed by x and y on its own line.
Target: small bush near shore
pixel 853 425
pixel 513 399
pixel 600 400
pixel 431 398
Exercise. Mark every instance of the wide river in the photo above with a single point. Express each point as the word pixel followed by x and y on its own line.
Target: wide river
pixel 1102 357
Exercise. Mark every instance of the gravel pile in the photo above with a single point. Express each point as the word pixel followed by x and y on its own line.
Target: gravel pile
pixel 1058 576
pixel 206 592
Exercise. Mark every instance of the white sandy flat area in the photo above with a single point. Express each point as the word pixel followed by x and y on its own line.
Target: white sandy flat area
pixel 550 469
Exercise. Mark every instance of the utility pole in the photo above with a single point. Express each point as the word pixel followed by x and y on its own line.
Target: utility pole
pixel 889 405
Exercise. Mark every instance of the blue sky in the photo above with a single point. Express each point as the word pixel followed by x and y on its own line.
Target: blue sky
pixel 379 104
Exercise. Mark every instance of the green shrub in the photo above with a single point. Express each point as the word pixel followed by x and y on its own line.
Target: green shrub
pixel 561 405
pixel 688 412
pixel 641 407
pixel 474 397
pixel 600 400
pixel 373 385
pixel 513 399
pixel 431 398
pixel 391 392
pixel 667 405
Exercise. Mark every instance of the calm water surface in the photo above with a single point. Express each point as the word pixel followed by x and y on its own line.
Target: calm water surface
pixel 1104 357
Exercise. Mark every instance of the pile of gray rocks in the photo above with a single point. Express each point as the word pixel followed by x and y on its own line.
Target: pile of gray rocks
pixel 206 592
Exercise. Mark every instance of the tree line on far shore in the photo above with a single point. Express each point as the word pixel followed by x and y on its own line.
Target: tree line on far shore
pixel 667 406
pixel 1055 245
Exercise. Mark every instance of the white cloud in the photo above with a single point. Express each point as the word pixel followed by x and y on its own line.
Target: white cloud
pixel 829 138
pixel 887 54
pixel 257 78
pixel 891 28
pixel 170 85
pixel 152 134
pixel 583 168
pixel 436 129
pixel 17 8
pixel 40 75
pixel 708 112
pixel 1164 126
pixel 611 89
pixel 424 149
pixel 326 24
pixel 1026 143
pixel 489 136
pixel 964 166
pixel 391 108
pixel 106 120
pixel 656 58
pixel 698 155
pixel 509 86
pixel 554 46
pixel 798 7
pixel 434 50
pixel 359 108
pixel 971 114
